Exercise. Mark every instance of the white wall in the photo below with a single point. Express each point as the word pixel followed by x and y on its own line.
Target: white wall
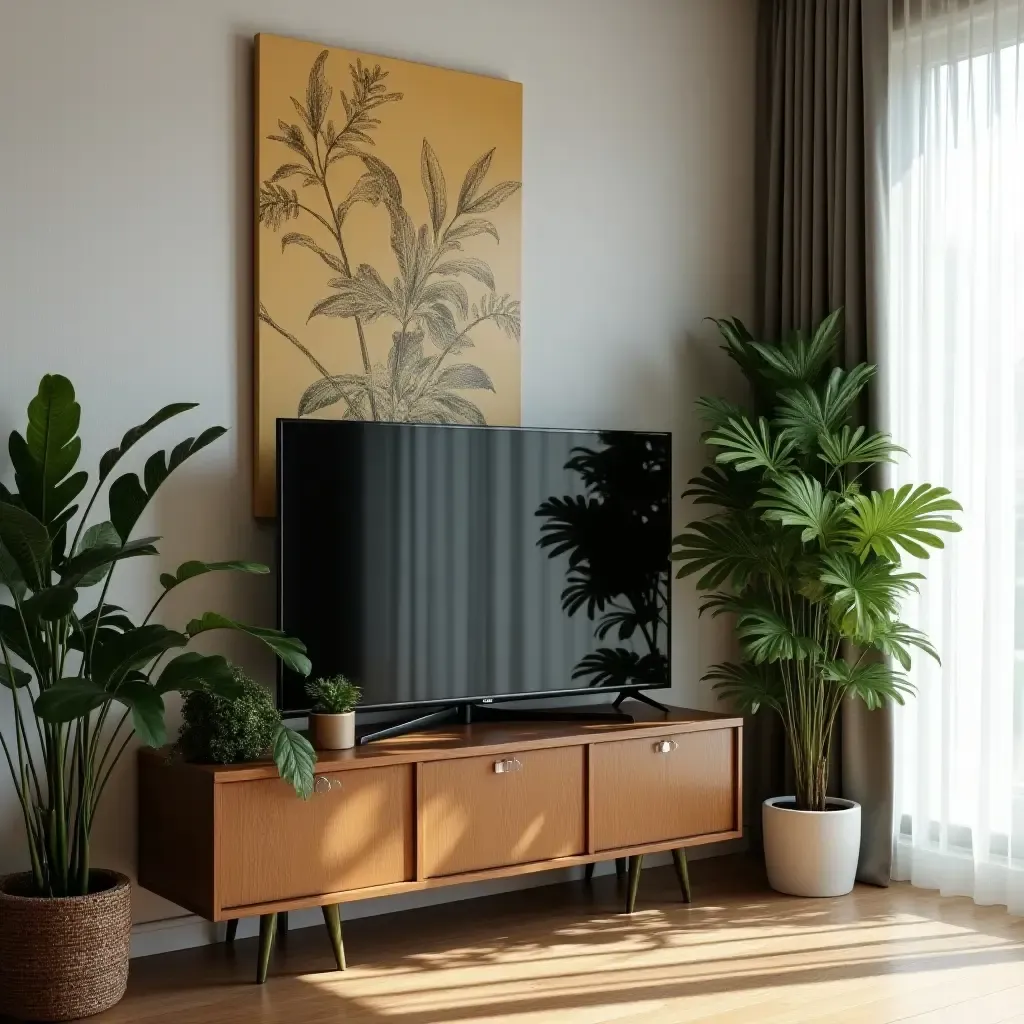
pixel 125 241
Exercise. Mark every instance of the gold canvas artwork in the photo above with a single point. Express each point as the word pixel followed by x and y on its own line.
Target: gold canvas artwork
pixel 388 242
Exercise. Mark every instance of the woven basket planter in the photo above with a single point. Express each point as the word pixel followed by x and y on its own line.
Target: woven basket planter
pixel 66 957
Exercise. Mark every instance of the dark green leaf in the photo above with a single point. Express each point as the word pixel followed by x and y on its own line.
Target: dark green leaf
pixel 188 570
pixel 291 651
pixel 295 759
pixel 747 687
pixel 14 678
pixel 51 603
pixel 28 543
pixel 111 458
pixel 147 710
pixel 748 447
pixel 69 699
pixel 194 671
pixel 92 563
pixel 123 652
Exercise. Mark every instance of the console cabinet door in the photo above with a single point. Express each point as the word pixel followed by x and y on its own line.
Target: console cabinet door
pixel 658 788
pixel 488 812
pixel 355 833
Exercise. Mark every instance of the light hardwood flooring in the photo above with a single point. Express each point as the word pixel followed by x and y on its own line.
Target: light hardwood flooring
pixel 565 954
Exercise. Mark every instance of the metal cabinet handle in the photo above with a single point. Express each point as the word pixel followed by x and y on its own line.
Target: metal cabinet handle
pixel 665 746
pixel 512 764
pixel 322 784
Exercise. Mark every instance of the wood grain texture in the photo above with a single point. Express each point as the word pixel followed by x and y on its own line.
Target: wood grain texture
pixel 176 841
pixel 276 847
pixel 475 818
pixel 473 740
pixel 565 954
pixel 643 796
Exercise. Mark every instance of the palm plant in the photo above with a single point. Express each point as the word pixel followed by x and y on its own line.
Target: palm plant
pixel 426 300
pixel 807 559
pixel 83 682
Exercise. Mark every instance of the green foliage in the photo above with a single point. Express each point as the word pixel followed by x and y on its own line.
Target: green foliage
pixel 812 565
pixel 428 302
pixel 334 695
pixel 83 681
pixel 222 730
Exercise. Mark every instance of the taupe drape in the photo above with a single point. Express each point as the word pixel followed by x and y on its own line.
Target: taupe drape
pixel 822 80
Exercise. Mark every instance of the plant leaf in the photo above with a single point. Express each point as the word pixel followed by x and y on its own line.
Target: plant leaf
pixel 364 295
pixel 14 678
pixel 132 437
pixel 470 228
pixel 910 518
pixel 188 570
pixel 147 708
pixel 493 198
pixel 93 563
pixel 69 699
pixel 796 499
pixel 850 447
pixel 473 180
pixel 433 186
pixel 465 375
pixel 51 604
pixel 124 652
pixel 291 651
pixel 295 759
pixel 865 594
pixel 746 686
pixel 318 94
pixel 194 671
pixel 27 541
pixel 749 448
pixel 297 238
pixel 467 265
pixel 874 683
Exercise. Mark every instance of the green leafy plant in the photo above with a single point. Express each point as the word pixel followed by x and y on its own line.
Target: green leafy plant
pixel 333 696
pixel 82 681
pixel 427 301
pixel 228 730
pixel 807 561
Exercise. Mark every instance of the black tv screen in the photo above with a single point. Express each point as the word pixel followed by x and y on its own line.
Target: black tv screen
pixel 440 564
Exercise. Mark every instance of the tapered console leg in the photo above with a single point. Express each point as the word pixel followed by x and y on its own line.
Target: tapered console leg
pixel 588 872
pixel 620 866
pixel 282 926
pixel 679 860
pixel 231 931
pixel 332 918
pixel 636 862
pixel 268 929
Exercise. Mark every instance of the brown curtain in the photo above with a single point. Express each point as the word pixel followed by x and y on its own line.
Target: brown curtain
pixel 820 244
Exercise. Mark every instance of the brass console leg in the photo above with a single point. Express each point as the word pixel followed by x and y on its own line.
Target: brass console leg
pixel 332 918
pixel 635 864
pixel 232 931
pixel 679 860
pixel 620 866
pixel 588 872
pixel 268 928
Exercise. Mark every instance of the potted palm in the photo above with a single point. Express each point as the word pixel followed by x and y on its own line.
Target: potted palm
pixel 82 677
pixel 332 722
pixel 809 562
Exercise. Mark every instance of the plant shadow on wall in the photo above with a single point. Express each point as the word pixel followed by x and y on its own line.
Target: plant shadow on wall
pixel 615 536
pixel 419 380
pixel 806 559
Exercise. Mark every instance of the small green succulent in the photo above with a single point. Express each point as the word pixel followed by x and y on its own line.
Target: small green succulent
pixel 334 695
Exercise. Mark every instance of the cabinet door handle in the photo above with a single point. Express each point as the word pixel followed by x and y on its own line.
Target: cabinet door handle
pixel 322 784
pixel 512 764
pixel 665 746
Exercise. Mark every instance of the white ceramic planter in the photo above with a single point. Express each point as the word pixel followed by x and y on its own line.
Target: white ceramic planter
pixel 811 853
pixel 333 732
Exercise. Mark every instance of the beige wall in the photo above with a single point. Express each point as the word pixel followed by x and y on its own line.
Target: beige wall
pixel 125 240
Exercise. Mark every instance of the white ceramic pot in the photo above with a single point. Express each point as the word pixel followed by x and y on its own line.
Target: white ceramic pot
pixel 333 732
pixel 811 853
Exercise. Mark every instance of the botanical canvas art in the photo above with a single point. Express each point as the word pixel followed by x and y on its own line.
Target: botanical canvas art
pixel 387 243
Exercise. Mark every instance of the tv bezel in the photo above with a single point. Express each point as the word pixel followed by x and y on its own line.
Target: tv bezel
pixel 453 702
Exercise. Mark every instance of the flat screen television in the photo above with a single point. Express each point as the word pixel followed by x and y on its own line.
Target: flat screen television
pixel 443 565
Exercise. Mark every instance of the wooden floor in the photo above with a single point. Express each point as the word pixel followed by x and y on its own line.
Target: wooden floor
pixel 566 955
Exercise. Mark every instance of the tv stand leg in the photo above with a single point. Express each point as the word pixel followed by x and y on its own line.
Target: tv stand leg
pixel 445 715
pixel 640 696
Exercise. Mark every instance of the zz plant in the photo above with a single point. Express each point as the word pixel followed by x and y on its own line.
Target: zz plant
pixel 83 681
pixel 806 558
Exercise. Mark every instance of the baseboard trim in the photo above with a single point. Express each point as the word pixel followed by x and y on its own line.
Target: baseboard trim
pixel 188 931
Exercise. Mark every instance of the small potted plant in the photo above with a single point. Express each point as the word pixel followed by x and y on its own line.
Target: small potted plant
pixel 808 560
pixel 332 722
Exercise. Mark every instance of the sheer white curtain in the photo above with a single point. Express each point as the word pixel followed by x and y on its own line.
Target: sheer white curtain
pixel 955 400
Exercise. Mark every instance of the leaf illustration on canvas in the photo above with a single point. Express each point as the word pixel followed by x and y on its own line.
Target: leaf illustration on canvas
pixel 423 296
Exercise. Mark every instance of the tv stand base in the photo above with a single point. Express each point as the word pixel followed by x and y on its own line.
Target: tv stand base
pixel 467 714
